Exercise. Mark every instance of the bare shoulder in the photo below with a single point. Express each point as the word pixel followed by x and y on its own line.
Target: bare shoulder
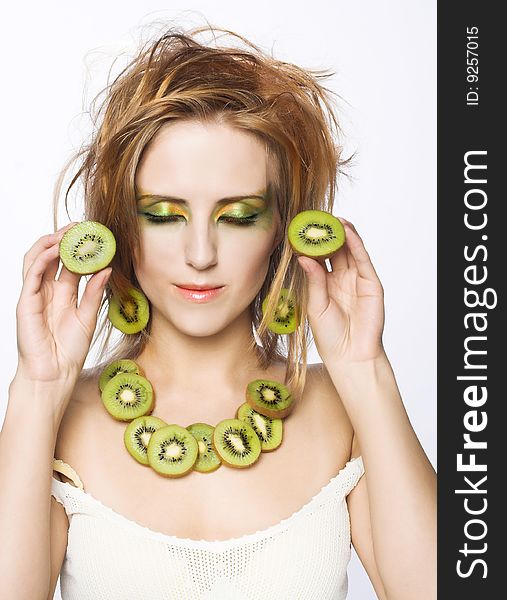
pixel 322 401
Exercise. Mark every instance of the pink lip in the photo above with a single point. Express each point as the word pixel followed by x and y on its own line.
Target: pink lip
pixel 200 295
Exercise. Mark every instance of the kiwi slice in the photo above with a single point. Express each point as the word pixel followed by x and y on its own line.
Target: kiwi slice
pixel 127 396
pixel 87 247
pixel 137 435
pixel 130 314
pixel 286 317
pixel 316 233
pixel 208 460
pixel 270 398
pixel 236 443
pixel 172 451
pixel 268 430
pixel 123 365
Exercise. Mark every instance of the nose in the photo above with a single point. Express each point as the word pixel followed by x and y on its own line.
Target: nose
pixel 200 244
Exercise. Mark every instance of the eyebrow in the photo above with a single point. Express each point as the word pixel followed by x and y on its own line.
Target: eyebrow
pixel 160 198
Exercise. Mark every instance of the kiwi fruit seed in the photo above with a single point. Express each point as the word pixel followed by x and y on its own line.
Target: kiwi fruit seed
pixel 127 396
pixel 172 451
pixel 316 233
pixel 87 247
pixel 208 460
pixel 270 398
pixel 131 314
pixel 236 443
pixel 268 430
pixel 286 317
pixel 137 435
pixel 123 365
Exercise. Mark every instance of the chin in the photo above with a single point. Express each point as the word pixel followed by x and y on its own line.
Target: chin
pixel 199 327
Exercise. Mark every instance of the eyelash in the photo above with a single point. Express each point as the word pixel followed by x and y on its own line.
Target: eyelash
pixel 174 218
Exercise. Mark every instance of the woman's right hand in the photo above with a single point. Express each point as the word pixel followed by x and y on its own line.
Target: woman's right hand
pixel 54 333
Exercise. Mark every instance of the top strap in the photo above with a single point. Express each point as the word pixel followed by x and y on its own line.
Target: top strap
pixel 62 467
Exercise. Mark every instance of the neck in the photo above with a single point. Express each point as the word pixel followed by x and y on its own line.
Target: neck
pixel 219 364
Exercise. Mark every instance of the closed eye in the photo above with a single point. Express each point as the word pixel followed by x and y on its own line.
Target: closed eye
pixel 173 218
pixel 240 220
pixel 162 219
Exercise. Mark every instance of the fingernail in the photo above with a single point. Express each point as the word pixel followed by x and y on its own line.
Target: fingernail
pixel 63 229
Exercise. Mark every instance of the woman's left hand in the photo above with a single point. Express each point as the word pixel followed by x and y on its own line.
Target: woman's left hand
pixel 346 305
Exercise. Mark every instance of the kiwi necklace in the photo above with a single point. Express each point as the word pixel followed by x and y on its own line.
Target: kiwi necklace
pixel 172 450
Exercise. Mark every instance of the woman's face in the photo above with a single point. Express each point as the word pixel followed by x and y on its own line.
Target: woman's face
pixel 216 229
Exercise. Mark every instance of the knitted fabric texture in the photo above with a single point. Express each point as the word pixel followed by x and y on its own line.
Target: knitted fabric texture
pixel 303 557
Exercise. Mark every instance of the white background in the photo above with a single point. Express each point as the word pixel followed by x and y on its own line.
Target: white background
pixel 55 57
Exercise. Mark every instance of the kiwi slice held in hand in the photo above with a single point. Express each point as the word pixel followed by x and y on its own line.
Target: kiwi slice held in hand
pixel 268 430
pixel 123 365
pixel 131 314
pixel 87 247
pixel 208 460
pixel 137 436
pixel 236 443
pixel 270 398
pixel 316 233
pixel 172 451
pixel 286 317
pixel 127 396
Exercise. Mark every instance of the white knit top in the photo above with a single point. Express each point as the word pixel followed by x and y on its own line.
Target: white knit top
pixel 303 557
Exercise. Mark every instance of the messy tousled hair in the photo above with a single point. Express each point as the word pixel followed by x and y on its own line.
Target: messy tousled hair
pixel 176 77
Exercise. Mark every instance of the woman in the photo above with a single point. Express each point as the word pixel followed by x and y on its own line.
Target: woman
pixel 202 158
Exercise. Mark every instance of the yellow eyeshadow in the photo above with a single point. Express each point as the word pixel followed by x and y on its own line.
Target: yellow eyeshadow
pixel 241 209
pixel 165 209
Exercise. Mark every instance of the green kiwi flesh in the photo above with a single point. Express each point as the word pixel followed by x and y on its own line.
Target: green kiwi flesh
pixel 123 365
pixel 236 443
pixel 130 315
pixel 87 247
pixel 208 460
pixel 268 430
pixel 172 451
pixel 316 233
pixel 286 316
pixel 127 396
pixel 137 436
pixel 270 398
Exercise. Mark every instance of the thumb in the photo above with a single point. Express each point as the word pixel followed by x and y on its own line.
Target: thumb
pixel 318 299
pixel 92 296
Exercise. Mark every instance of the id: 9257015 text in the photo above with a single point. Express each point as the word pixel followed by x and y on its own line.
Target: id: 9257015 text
pixel 472 66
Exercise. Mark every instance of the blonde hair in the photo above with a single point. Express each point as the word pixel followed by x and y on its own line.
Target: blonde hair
pixel 177 77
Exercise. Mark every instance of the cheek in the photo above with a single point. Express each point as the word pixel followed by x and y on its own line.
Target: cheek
pixel 156 257
pixel 245 260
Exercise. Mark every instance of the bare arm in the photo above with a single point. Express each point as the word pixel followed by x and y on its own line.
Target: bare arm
pixel 394 508
pixel 27 443
pixel 53 338
pixel 393 512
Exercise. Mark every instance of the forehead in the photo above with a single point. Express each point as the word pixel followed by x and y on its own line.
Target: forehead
pixel 196 160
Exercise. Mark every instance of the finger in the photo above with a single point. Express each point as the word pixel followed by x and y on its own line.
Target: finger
pixel 92 296
pixel 339 260
pixel 44 242
pixel 359 254
pixel 318 297
pixel 33 278
pixel 52 268
pixel 69 278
